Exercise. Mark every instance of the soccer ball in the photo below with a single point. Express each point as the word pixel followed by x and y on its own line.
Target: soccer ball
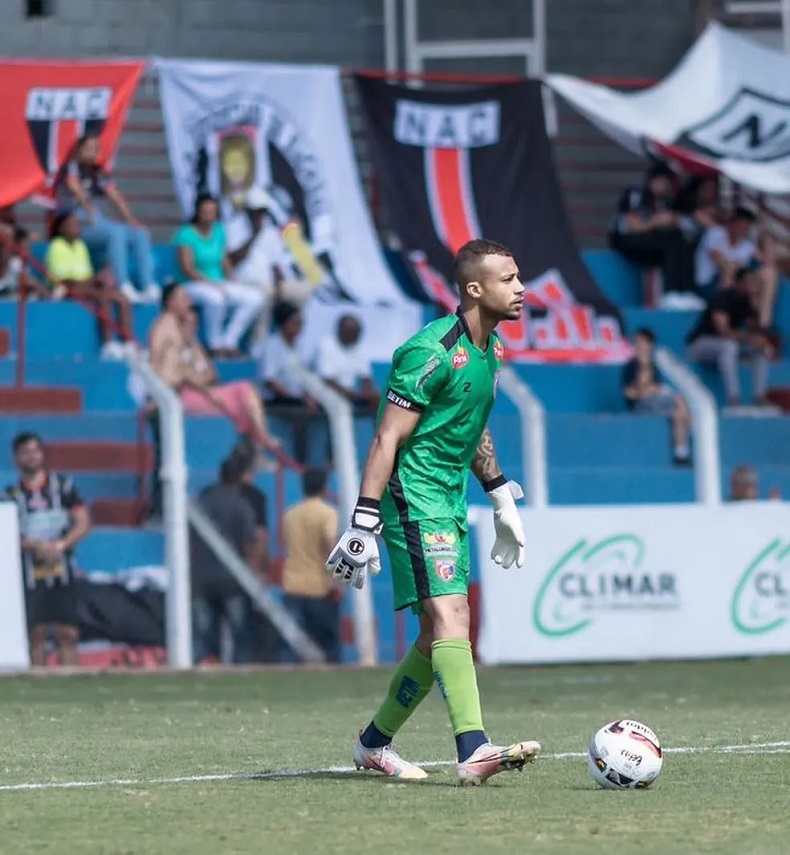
pixel 624 755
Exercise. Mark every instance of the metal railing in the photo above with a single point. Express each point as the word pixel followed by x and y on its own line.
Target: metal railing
pixel 173 473
pixel 340 417
pixel 533 437
pixel 704 419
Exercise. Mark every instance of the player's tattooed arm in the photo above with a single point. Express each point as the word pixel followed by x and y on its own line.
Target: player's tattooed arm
pixel 484 464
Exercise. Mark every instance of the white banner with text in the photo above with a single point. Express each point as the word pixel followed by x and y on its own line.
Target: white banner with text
pixel 14 654
pixel 622 583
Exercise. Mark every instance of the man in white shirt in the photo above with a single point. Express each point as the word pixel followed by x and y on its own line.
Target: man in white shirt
pixel 261 259
pixel 723 251
pixel 343 363
pixel 283 389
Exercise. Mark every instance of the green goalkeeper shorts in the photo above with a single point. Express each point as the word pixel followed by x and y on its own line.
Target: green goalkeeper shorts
pixel 429 558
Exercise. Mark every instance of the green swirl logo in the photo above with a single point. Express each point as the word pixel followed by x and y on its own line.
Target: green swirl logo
pixel 592 577
pixel 761 599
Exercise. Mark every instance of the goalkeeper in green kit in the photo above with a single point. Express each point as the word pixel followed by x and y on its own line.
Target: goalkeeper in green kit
pixel 431 431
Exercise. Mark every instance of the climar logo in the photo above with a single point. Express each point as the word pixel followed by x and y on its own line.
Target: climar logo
pixel 761 599
pixel 590 579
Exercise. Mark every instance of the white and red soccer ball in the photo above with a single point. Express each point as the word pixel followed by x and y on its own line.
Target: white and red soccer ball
pixel 624 755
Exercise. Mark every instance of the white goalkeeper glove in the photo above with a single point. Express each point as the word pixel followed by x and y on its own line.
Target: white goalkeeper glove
pixel 356 553
pixel 510 540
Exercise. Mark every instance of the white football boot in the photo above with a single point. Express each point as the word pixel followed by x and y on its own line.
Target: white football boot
pixel 489 760
pixel 387 761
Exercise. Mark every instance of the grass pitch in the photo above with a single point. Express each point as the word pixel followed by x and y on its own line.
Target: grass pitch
pixel 118 742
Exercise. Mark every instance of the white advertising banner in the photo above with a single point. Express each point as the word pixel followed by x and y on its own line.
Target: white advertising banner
pixel 14 654
pixel 234 126
pixel 726 104
pixel 640 582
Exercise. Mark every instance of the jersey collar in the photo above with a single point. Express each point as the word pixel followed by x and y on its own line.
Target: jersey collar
pixel 468 334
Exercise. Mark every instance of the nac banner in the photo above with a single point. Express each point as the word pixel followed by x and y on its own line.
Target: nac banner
pixel 457 165
pixel 232 127
pixel 14 654
pixel 640 582
pixel 46 107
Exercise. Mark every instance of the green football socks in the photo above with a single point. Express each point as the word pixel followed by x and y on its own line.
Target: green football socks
pixel 454 671
pixel 410 683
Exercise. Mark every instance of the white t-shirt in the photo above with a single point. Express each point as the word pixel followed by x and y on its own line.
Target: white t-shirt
pixel 279 363
pixel 267 251
pixel 715 240
pixel 345 365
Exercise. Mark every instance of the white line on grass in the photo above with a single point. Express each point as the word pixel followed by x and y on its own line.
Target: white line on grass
pixel 781 747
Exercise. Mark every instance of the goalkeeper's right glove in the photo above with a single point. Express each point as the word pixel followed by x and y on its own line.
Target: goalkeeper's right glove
pixel 357 553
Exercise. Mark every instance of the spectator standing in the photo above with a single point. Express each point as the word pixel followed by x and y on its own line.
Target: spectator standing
pixel 646 393
pixel 342 362
pixel 205 270
pixel 216 595
pixel 647 231
pixel 84 183
pixel 53 519
pixel 178 358
pixel 68 263
pixel 728 331
pixel 310 531
pixel 261 259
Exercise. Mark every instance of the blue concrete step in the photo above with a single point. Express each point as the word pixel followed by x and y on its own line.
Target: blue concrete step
pixel 608 440
pixel 114 549
pixel 670 328
pixel 107 427
pixel 575 388
pixel 760 442
pixel 92 485
pixel 613 485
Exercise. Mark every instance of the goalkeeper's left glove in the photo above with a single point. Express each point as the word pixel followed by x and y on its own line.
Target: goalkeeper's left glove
pixel 510 540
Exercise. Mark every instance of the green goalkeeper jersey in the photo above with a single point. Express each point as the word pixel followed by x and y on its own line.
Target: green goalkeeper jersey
pixel 451 382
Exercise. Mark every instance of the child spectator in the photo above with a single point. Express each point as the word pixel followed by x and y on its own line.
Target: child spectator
pixel 646 393
pixel 68 263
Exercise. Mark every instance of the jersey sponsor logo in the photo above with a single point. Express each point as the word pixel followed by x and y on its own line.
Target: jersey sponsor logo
pixel 445 570
pixel 499 351
pixel 443 537
pixel 430 366
pixel 460 358
pixel 399 401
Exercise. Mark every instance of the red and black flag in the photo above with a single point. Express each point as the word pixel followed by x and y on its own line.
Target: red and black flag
pixel 453 165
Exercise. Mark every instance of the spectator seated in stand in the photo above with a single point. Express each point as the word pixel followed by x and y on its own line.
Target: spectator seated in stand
pixel 205 270
pixel 342 362
pixel 261 260
pixel 646 393
pixel 179 359
pixel 649 232
pixel 53 519
pixel 698 202
pixel 729 331
pixel 68 264
pixel 283 388
pixel 744 484
pixel 83 183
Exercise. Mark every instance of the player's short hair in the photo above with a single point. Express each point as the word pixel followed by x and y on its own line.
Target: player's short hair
pixel 24 438
pixel 313 482
pixel 470 256
pixel 644 332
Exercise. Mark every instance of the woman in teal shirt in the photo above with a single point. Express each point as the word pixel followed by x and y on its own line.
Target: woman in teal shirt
pixel 205 271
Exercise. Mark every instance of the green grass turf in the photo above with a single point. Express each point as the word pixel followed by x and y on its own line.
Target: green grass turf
pixel 159 726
